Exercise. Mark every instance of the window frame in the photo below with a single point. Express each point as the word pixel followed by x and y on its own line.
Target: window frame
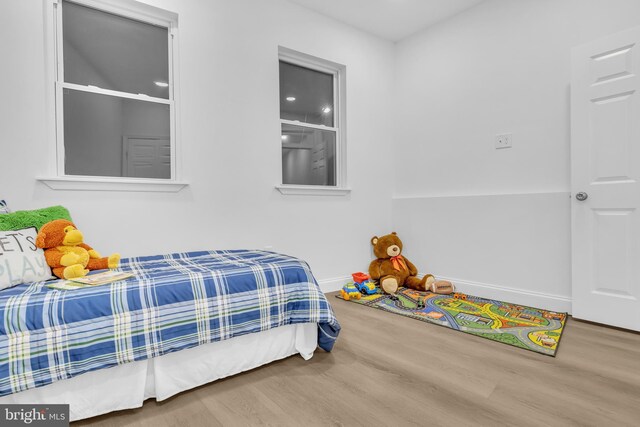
pixel 55 77
pixel 338 71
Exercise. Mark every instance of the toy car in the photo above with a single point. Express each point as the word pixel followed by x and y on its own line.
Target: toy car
pixel 367 287
pixel 350 291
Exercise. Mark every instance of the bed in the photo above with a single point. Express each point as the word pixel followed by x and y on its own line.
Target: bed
pixel 183 320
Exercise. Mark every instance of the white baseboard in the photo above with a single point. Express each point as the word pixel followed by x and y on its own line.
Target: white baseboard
pixel 545 301
pixel 335 284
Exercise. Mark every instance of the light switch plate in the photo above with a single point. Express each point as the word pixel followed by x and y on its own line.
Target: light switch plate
pixel 504 141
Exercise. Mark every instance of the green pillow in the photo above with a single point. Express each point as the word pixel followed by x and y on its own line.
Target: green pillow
pixel 24 219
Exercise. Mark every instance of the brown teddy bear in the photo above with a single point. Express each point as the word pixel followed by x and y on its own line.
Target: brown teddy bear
pixel 392 270
pixel 67 254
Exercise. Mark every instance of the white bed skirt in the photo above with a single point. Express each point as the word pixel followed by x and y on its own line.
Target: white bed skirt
pixel 127 386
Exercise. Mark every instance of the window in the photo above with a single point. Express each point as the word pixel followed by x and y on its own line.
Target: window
pixel 312 125
pixel 114 92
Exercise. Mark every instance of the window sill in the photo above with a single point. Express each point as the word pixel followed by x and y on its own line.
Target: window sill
pixel 82 183
pixel 312 190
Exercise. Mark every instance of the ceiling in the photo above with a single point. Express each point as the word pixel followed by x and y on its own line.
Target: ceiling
pixel 113 52
pixel 312 91
pixel 390 19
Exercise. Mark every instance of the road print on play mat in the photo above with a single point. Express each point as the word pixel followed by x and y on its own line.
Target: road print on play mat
pixel 517 325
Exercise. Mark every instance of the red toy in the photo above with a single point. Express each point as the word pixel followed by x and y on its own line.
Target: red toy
pixel 360 277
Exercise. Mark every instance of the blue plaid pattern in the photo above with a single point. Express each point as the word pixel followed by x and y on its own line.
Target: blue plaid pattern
pixel 174 302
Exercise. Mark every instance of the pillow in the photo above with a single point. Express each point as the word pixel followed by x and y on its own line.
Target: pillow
pixel 4 209
pixel 25 219
pixel 20 260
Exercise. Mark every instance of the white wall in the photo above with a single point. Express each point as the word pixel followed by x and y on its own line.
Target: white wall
pixel 497 220
pixel 460 205
pixel 141 118
pixel 230 136
pixel 93 125
pixel 94 131
pixel 513 248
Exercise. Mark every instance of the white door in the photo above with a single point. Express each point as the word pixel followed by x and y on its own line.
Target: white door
pixel 319 161
pixel 605 161
pixel 147 157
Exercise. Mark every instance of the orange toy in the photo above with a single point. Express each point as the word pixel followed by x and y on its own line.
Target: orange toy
pixel 67 254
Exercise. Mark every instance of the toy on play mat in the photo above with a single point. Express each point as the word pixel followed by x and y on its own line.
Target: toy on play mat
pixel 350 291
pixel 393 270
pixel 364 284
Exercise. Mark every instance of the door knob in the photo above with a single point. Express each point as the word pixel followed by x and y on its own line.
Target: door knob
pixel 582 196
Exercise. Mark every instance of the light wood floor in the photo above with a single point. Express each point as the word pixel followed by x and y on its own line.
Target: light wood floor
pixel 390 370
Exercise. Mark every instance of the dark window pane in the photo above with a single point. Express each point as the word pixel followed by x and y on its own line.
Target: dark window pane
pixel 113 136
pixel 306 95
pixel 308 156
pixel 112 52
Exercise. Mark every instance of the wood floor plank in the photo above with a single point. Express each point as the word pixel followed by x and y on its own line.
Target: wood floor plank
pixel 389 370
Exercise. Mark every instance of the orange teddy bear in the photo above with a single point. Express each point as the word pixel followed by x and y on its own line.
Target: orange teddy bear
pixel 67 254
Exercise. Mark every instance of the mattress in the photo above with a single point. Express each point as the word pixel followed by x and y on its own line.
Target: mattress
pixel 173 302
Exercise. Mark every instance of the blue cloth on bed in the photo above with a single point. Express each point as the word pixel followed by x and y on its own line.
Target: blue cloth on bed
pixel 174 302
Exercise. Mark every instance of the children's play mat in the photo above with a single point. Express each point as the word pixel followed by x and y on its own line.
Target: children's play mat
pixel 520 326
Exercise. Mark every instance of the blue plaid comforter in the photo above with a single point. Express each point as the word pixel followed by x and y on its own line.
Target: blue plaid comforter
pixel 175 302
